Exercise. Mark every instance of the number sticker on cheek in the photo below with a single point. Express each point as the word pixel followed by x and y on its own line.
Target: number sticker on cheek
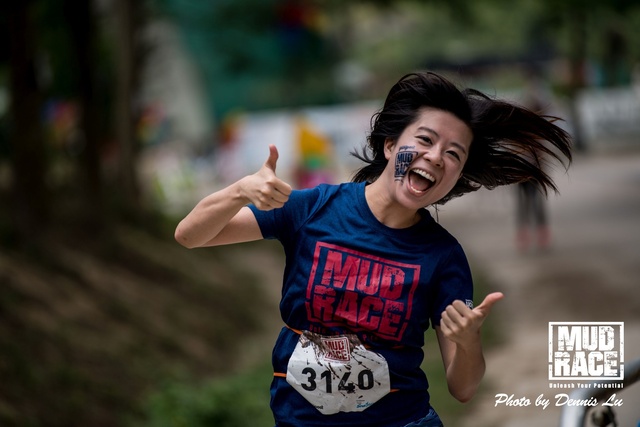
pixel 405 156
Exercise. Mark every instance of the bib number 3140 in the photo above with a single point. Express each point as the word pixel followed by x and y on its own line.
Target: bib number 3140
pixel 337 373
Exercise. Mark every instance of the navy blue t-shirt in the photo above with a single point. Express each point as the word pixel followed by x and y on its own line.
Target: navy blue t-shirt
pixel 346 272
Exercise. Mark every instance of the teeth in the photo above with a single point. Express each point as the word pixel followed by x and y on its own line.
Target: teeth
pixel 424 174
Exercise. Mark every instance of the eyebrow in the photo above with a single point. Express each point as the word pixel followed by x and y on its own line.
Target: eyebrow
pixel 454 143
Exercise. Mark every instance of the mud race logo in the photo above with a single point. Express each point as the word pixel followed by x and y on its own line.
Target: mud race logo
pixel 365 292
pixel 586 351
pixel 403 159
pixel 336 349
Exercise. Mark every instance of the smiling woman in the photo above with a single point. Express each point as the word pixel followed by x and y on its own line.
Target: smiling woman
pixel 428 159
pixel 368 270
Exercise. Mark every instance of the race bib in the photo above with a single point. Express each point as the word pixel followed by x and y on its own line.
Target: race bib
pixel 337 373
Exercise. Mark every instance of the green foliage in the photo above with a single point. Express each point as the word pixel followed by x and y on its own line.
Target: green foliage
pixel 237 401
pixel 239 47
pixel 255 53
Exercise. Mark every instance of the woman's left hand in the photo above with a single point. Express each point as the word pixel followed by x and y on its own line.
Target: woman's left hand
pixel 461 324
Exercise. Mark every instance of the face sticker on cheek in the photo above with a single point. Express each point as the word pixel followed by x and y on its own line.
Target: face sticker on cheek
pixel 405 156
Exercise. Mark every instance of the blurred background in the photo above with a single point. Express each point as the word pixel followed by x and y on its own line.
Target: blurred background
pixel 117 116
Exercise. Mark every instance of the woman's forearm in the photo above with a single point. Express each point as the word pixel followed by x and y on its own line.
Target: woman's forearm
pixel 466 371
pixel 209 217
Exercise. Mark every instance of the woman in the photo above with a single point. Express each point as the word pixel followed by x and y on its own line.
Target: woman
pixel 368 270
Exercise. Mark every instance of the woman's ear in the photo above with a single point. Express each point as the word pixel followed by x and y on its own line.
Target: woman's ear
pixel 388 147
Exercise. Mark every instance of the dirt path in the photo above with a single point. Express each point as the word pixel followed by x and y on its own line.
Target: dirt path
pixel 590 274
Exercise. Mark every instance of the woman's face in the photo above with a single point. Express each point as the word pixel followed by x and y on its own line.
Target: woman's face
pixel 427 159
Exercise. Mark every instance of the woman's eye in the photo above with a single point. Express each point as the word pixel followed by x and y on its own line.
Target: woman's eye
pixel 454 154
pixel 425 140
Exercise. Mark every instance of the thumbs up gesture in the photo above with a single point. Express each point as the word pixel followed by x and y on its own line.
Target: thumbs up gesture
pixel 264 189
pixel 461 324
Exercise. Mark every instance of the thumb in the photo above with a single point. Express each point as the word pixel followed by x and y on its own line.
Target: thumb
pixel 273 158
pixel 489 301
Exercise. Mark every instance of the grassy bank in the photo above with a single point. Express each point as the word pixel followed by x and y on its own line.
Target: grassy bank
pixel 88 328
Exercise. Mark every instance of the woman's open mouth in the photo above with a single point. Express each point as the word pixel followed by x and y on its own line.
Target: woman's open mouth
pixel 420 180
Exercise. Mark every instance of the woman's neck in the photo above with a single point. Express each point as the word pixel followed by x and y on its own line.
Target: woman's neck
pixel 387 211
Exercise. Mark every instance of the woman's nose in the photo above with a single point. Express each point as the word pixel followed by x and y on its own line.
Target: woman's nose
pixel 433 156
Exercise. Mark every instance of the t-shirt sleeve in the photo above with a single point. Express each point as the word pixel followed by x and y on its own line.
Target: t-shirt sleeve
pixel 454 282
pixel 282 223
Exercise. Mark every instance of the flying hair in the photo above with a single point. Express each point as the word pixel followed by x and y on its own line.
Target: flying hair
pixel 511 143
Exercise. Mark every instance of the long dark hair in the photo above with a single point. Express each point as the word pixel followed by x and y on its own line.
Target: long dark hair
pixel 510 144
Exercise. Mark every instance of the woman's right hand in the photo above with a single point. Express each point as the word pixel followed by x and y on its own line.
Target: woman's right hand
pixel 223 218
pixel 264 189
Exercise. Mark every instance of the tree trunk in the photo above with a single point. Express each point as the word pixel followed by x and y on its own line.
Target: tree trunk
pixel 124 115
pixel 83 34
pixel 31 198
